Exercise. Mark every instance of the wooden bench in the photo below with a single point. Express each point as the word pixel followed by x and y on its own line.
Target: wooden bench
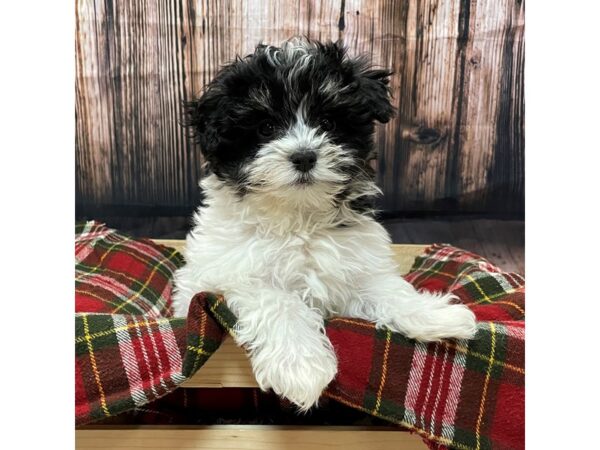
pixel 229 368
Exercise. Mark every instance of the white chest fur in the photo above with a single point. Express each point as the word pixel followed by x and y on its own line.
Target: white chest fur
pixel 240 243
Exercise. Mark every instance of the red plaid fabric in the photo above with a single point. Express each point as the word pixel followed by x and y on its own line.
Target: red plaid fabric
pixel 115 274
pixel 456 394
pixel 128 351
pixel 459 394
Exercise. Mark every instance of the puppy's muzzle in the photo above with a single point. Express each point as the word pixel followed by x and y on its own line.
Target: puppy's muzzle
pixel 304 160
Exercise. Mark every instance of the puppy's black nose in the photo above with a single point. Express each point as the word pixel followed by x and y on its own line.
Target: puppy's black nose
pixel 304 160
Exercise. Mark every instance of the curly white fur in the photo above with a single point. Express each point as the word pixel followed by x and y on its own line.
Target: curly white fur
pixel 283 266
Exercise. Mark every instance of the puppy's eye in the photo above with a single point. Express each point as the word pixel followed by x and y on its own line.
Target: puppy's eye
pixel 266 129
pixel 327 125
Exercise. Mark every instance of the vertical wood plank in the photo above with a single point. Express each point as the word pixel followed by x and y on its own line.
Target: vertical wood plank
pixel 456 144
pixel 94 120
pixel 419 150
pixel 490 140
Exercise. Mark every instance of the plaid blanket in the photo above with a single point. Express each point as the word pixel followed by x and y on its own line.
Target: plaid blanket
pixel 128 350
pixel 456 394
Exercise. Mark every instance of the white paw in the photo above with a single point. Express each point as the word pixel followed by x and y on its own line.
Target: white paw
pixel 433 317
pixel 301 375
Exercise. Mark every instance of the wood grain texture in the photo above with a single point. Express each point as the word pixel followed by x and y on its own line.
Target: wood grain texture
pixel 502 242
pixel 247 437
pixel 456 144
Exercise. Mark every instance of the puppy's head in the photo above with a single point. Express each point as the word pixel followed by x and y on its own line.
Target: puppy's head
pixel 295 120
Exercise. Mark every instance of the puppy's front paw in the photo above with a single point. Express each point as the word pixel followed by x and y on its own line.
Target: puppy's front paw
pixel 301 375
pixel 435 317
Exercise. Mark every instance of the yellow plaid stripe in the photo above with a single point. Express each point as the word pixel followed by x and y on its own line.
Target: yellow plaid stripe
pixel 481 356
pixel 145 260
pixel 106 253
pixel 422 273
pixel 200 349
pixel 110 301
pixel 514 305
pixel 86 330
pixel 91 337
pixel 421 432
pixel 494 296
pixel 143 288
pixel 213 308
pixel 485 386
pixel 388 339
pixel 450 344
pixel 481 291
pixel 106 270
pixel 354 322
pixel 430 272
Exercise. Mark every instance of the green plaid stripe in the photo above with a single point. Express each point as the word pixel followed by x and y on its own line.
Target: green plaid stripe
pixel 458 394
pixel 124 361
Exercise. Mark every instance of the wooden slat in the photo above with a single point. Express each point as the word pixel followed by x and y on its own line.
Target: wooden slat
pixel 416 148
pixel 177 244
pixel 405 255
pixel 489 143
pixel 131 70
pixel 229 366
pixel 247 437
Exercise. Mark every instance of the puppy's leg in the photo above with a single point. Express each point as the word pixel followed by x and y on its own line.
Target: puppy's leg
pixel 393 303
pixel 288 348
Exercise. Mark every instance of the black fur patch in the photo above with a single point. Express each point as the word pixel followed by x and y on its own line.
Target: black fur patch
pixel 268 86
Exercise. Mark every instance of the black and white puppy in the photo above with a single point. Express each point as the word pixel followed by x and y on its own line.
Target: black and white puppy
pixel 286 232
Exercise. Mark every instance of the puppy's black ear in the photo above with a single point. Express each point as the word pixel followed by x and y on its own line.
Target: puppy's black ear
pixel 373 86
pixel 370 86
pixel 200 117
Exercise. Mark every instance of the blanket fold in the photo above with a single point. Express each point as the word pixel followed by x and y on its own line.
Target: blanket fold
pixel 456 394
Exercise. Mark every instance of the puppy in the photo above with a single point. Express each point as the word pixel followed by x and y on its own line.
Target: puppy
pixel 286 231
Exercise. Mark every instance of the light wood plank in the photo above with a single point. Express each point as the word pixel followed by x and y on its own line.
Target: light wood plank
pixel 247 437
pixel 229 366
pixel 177 244
pixel 405 255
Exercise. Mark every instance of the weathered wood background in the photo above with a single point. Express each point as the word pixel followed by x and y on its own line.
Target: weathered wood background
pixel 457 143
